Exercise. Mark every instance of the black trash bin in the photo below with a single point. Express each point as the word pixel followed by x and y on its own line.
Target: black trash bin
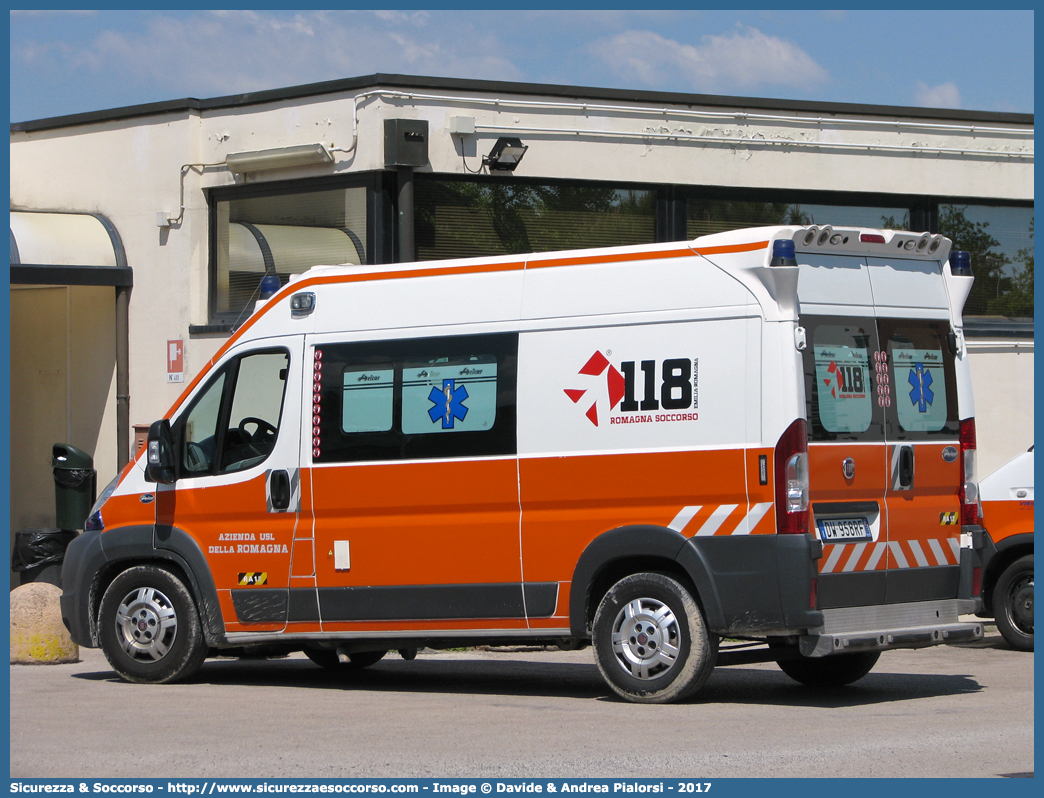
pixel 38 554
pixel 75 486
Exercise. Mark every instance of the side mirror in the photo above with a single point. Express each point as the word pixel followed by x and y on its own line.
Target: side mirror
pixel 162 465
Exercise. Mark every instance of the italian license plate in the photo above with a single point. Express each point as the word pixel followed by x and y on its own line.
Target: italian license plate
pixel 844 530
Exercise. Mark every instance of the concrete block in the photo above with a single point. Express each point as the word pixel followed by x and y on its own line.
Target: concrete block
pixel 38 635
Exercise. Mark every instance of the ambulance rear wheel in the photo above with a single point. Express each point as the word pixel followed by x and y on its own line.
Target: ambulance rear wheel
pixel 650 640
pixel 149 628
pixel 835 671
pixel 1013 604
pixel 327 658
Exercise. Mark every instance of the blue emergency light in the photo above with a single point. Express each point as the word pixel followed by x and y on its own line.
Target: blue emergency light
pixel 960 263
pixel 783 253
pixel 270 285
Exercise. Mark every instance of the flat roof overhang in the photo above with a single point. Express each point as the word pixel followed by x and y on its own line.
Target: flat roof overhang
pixel 407 82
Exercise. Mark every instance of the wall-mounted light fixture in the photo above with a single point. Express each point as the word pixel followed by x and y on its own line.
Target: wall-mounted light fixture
pixel 277 158
pixel 505 155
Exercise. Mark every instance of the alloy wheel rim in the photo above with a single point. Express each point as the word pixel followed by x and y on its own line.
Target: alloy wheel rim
pixel 146 624
pixel 646 639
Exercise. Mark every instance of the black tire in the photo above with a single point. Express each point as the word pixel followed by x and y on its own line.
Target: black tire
pixel 1013 604
pixel 327 658
pixel 834 671
pixel 149 628
pixel 650 640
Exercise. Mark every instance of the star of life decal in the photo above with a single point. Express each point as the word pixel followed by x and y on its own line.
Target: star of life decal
pixel 448 403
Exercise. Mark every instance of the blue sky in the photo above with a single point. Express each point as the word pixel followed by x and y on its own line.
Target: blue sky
pixel 65 62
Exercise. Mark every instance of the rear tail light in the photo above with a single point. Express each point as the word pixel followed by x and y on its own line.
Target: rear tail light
pixel 791 464
pixel 969 493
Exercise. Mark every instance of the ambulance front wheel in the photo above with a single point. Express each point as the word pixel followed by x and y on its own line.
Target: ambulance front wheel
pixel 650 640
pixel 833 671
pixel 149 628
pixel 1013 604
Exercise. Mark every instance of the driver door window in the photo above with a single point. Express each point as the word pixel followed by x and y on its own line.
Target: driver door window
pixel 200 430
pixel 234 422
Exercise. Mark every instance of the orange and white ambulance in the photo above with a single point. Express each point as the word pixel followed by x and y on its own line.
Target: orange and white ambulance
pixel 1007 579
pixel 764 435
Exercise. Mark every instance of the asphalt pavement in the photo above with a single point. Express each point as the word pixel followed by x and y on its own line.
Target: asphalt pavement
pixel 941 712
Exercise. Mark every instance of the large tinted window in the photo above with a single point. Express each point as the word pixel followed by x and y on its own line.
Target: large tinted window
pixel 456 219
pixel 426 398
pixel 1000 240
pixel 284 232
pixel 705 216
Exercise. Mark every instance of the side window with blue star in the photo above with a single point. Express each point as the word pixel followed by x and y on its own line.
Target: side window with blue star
pixel 449 395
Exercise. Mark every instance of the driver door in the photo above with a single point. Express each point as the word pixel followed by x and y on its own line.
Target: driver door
pixel 237 493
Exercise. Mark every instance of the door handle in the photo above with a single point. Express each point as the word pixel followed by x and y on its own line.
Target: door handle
pixel 902 467
pixel 279 491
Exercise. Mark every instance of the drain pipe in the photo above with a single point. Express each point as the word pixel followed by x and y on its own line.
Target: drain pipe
pixel 122 381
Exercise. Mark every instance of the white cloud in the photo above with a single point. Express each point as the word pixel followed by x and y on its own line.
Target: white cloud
pixel 744 59
pixel 228 52
pixel 417 19
pixel 945 95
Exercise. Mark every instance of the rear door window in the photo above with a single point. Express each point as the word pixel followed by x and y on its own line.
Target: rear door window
pixel 920 367
pixel 841 379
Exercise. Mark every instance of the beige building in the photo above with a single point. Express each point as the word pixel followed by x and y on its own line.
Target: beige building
pixel 139 235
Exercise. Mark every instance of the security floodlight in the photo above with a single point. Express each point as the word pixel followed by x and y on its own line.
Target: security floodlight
pixel 505 155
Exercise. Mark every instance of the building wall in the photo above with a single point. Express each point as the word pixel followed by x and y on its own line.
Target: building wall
pixel 131 169
pixel 1002 380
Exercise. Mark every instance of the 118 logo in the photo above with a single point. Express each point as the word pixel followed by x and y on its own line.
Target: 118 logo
pixel 669 384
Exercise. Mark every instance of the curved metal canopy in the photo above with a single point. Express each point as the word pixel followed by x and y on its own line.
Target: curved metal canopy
pixel 66 249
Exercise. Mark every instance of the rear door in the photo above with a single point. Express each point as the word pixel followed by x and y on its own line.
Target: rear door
pixel 922 428
pixel 922 435
pixel 883 428
pixel 847 457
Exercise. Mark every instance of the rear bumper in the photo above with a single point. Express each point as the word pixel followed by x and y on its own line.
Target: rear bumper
pixel 879 627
